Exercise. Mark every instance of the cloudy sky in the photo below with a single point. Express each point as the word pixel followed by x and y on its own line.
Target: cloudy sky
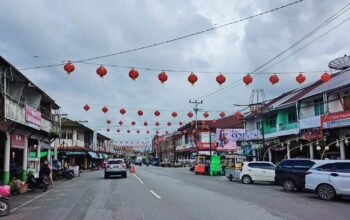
pixel 55 31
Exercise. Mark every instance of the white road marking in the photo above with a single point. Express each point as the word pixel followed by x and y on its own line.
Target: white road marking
pixel 14 209
pixel 140 180
pixel 155 194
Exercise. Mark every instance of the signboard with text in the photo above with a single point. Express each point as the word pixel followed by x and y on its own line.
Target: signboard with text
pixel 335 120
pixel 33 116
pixel 17 141
pixel 226 139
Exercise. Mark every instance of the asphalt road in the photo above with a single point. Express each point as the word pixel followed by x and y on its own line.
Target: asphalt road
pixel 171 193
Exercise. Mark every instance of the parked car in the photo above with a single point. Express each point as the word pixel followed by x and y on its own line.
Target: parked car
pixel 165 163
pixel 290 174
pixel 155 162
pixel 329 178
pixel 115 167
pixel 257 171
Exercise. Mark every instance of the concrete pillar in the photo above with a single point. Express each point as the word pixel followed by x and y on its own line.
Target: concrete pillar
pixel 7 156
pixel 49 154
pixel 55 143
pixel 311 147
pixel 342 150
pixel 25 159
pixel 288 151
pixel 38 151
pixel 254 154
pixel 270 155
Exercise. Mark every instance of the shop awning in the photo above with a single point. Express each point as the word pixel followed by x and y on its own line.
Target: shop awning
pixel 93 155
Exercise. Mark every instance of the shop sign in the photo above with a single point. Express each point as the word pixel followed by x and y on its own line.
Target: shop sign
pixel 33 115
pixel 18 141
pixel 310 135
pixel 334 120
pixel 226 139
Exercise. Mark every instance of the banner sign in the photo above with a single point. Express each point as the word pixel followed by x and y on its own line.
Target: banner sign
pixel 226 139
pixel 17 141
pixel 33 115
pixel 334 120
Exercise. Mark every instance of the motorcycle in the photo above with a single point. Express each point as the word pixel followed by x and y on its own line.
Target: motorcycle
pixel 4 201
pixel 62 173
pixel 37 183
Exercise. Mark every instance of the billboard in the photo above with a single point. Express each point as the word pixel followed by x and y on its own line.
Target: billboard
pixel 17 141
pixel 334 120
pixel 33 115
pixel 226 139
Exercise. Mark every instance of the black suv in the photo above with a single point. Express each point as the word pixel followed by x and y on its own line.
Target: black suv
pixel 290 174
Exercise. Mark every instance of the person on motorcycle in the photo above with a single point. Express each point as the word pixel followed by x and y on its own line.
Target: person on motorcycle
pixel 45 171
pixel 31 180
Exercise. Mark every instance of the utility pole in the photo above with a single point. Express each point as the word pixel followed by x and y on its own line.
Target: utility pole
pixel 196 109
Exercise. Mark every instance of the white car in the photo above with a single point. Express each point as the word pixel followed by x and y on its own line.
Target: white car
pixel 116 166
pixel 257 171
pixel 329 178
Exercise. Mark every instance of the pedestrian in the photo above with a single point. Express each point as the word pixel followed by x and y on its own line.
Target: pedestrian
pixel 50 176
pixel 45 171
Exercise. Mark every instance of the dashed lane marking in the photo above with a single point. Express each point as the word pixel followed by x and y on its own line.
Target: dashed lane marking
pixel 139 179
pixel 155 194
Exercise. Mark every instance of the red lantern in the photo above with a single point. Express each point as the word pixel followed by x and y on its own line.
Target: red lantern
pixel 157 113
pixel 107 130
pixel 140 112
pixel 222 114
pixel 184 131
pixel 128 131
pixel 104 109
pixel 133 74
pixel 133 123
pixel 147 132
pixel 118 130
pixel 101 71
pixel 238 114
pixel 203 122
pixel 192 123
pixel 169 123
pixel 206 114
pixel 274 79
pixel 213 122
pixel 157 123
pixel 174 114
pixel 192 78
pixel 166 132
pixel 162 77
pixel 190 114
pixel 86 107
pixel 138 131
pixel 220 79
pixel 300 78
pixel 193 131
pixel 157 132
pixel 145 123
pixel 109 121
pixel 180 123
pixel 247 79
pixel 326 77
pixel 120 123
pixel 69 67
pixel 122 111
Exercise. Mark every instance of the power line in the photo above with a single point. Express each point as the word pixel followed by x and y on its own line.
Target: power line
pixel 174 39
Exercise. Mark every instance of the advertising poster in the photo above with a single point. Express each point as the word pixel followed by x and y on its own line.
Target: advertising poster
pixel 226 139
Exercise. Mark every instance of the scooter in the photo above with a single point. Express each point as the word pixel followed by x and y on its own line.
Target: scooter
pixel 36 183
pixel 4 206
pixel 62 173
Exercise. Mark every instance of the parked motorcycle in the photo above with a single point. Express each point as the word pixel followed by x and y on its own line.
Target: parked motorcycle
pixel 62 173
pixel 4 201
pixel 36 183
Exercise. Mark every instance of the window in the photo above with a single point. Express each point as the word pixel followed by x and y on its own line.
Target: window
pixel 271 121
pixel 64 135
pixel 303 164
pixel 258 125
pixel 326 167
pixel 292 117
pixel 254 165
pixel 69 136
pixel 318 106
pixel 346 102
pixel 342 167
pixel 267 166
pixel 286 164
pixel 115 161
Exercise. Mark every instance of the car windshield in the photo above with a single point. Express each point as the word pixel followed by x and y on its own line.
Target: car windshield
pixel 115 162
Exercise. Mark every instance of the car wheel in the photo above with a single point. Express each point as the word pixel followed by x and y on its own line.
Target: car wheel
pixel 230 177
pixel 246 179
pixel 326 192
pixel 4 207
pixel 288 185
pixel 106 176
pixel 125 175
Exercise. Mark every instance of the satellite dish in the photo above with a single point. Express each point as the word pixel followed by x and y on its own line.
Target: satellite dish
pixel 340 63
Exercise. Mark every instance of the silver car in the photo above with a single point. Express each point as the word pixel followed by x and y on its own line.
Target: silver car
pixel 115 167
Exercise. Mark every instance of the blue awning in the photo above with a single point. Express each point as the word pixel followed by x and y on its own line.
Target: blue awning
pixel 93 155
